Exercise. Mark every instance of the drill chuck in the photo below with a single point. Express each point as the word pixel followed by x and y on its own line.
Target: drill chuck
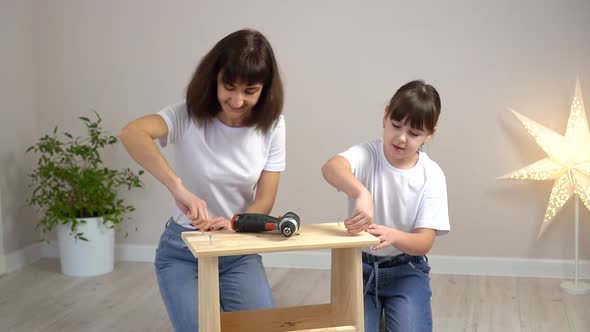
pixel 289 224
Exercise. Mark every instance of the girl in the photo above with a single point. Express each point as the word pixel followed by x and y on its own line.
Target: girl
pixel 398 194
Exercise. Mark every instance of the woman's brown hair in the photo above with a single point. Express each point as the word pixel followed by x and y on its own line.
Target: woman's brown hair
pixel 245 56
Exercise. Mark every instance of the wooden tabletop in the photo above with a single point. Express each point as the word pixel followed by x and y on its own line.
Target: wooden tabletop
pixel 310 236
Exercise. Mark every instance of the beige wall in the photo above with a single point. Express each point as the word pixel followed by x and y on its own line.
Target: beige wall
pixel 19 110
pixel 2 257
pixel 341 61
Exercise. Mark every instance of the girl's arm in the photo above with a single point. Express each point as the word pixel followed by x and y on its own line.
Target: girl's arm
pixel 338 173
pixel 417 243
pixel 138 138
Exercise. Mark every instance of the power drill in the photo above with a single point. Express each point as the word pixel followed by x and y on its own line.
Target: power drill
pixel 287 224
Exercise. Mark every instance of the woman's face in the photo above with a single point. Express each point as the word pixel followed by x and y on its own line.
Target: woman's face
pixel 236 101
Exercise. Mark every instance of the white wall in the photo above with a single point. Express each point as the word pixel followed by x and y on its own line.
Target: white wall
pixel 342 61
pixel 18 111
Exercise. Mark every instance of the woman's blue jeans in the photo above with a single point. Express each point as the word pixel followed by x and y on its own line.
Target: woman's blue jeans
pixel 242 281
pixel 400 293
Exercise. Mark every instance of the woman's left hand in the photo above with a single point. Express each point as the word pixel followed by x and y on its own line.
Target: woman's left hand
pixel 385 234
pixel 218 224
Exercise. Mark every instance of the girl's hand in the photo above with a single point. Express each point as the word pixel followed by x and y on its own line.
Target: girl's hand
pixel 385 234
pixel 362 215
pixel 218 224
pixel 193 207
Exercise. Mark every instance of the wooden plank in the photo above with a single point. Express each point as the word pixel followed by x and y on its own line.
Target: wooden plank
pixel 455 302
pixel 209 306
pixel 332 329
pixel 312 236
pixel 577 309
pixel 347 287
pixel 40 298
pixel 541 305
pixel 498 292
pixel 279 319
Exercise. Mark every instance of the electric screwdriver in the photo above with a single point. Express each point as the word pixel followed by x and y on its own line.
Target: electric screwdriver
pixel 287 224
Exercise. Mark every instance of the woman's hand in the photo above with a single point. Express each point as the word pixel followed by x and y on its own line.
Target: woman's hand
pixel 218 224
pixel 193 207
pixel 362 215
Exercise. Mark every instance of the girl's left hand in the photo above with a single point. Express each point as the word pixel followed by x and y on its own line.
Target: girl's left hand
pixel 385 234
pixel 218 224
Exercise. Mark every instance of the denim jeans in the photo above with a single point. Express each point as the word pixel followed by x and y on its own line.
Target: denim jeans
pixel 242 281
pixel 400 293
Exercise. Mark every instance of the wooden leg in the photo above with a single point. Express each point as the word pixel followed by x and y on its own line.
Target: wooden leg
pixel 209 310
pixel 347 287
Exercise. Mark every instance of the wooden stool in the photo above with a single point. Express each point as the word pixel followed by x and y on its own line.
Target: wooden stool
pixel 345 312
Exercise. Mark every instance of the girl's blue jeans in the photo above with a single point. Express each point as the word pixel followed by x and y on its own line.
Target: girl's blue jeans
pixel 242 281
pixel 398 289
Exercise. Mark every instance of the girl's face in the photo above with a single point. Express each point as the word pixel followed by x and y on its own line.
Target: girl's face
pixel 402 142
pixel 236 101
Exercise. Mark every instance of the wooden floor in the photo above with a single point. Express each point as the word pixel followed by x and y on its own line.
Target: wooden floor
pixel 39 298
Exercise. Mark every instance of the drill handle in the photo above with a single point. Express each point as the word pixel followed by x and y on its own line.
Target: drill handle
pixel 253 222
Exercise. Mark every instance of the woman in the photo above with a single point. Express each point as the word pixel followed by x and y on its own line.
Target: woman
pixel 229 141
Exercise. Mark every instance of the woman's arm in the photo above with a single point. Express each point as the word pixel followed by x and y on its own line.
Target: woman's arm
pixel 338 173
pixel 138 138
pixel 266 193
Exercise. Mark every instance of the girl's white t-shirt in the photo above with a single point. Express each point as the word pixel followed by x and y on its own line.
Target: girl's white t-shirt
pixel 221 164
pixel 404 199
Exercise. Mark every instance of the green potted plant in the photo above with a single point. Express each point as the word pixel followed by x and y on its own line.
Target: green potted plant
pixel 74 192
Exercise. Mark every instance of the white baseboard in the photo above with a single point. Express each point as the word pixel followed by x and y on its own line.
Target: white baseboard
pixel 507 266
pixel 320 259
pixel 312 259
pixel 125 252
pixel 18 259
pixel 466 265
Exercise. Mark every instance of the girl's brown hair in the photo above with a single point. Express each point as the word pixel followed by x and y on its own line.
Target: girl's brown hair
pixel 245 56
pixel 416 102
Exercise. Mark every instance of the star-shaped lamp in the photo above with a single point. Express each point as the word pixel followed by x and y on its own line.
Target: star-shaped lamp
pixel 568 162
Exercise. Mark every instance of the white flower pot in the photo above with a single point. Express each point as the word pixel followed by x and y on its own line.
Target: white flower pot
pixel 87 258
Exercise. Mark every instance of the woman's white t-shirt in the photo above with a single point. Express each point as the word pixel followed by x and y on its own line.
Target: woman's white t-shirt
pixel 221 164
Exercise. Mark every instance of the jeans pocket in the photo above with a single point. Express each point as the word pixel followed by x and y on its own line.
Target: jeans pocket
pixel 421 267
pixel 174 241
